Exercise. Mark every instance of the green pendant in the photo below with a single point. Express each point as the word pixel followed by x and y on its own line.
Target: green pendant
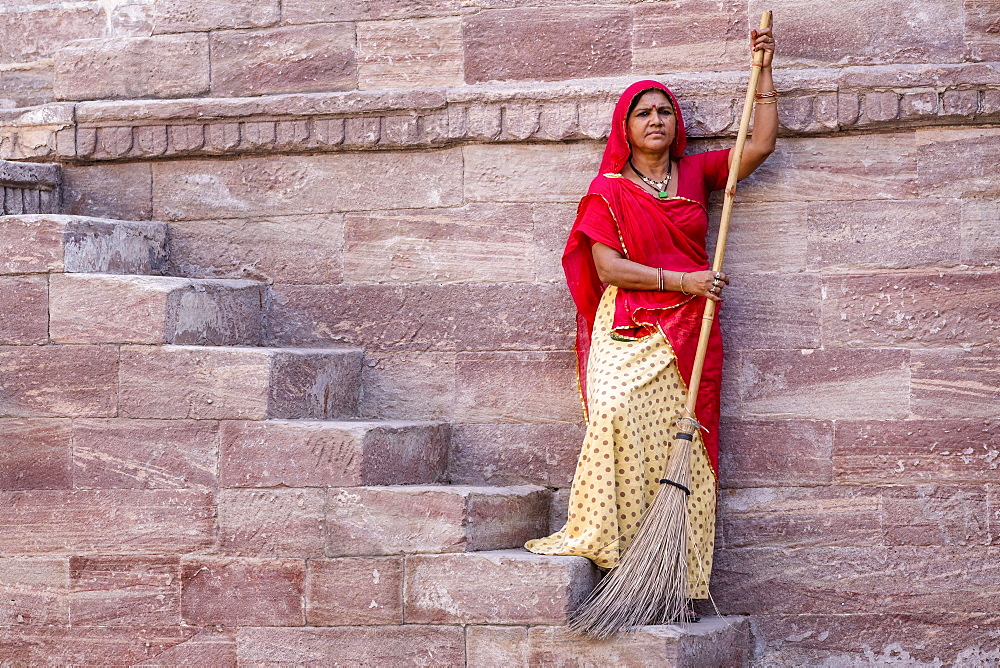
pixel 662 195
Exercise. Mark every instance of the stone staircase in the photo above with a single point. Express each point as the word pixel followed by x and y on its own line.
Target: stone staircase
pixel 176 492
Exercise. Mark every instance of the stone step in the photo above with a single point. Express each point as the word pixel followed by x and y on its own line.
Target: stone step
pixel 327 453
pixel 409 519
pixel 238 383
pixel 504 587
pixel 48 243
pixel 103 308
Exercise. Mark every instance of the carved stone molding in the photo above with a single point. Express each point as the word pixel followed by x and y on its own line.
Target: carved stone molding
pixel 814 101
pixel 27 187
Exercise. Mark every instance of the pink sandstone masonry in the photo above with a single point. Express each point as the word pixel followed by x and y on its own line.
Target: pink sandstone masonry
pixel 286 366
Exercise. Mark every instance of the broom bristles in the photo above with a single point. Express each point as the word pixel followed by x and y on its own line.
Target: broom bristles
pixel 649 584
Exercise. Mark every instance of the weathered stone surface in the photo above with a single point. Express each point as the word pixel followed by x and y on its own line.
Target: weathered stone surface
pixel 715 641
pixel 717 38
pixel 911 309
pixel 318 11
pixel 552 223
pixel 144 454
pixel 872 638
pixel 271 523
pixel 413 53
pixel 425 518
pixel 208 647
pixel 547 44
pixel 776 453
pixel 545 173
pixel 916 451
pixel 496 646
pixel 209 189
pixel 260 62
pixel 982 27
pixel 955 162
pixel 801 516
pixel 119 190
pixel 559 510
pixel 354 645
pixel 65 646
pixel 97 308
pixel 955 383
pixel 475 243
pixel 24 320
pixel 515 454
pixel 238 383
pixel 854 234
pixel 36 454
pixel 408 386
pixel 58 381
pixel 284 249
pixel 526 588
pixel 33 592
pixel 824 384
pixel 125 591
pixel 980 234
pixel 354 592
pixel 105 521
pixel 305 453
pixel 37 34
pixel 161 66
pixel 517 387
pixel 756 314
pixel 763 236
pixel 936 515
pixel 179 16
pixel 242 592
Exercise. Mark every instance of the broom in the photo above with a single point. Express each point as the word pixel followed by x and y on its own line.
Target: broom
pixel 649 584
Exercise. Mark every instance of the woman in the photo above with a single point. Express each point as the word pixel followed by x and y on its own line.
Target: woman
pixel 637 269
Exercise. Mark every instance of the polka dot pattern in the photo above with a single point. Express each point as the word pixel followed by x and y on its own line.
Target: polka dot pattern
pixel 635 394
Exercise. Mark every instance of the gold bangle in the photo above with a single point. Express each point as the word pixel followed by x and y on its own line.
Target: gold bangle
pixel 683 274
pixel 761 96
pixel 773 100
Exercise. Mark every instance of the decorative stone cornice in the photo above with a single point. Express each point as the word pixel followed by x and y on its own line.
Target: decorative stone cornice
pixel 814 101
pixel 27 187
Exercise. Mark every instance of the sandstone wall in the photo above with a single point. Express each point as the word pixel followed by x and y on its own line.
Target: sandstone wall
pixel 404 172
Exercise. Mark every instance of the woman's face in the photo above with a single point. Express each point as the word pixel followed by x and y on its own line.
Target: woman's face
pixel 652 125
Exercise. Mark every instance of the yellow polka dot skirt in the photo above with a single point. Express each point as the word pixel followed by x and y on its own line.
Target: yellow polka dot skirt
pixel 634 396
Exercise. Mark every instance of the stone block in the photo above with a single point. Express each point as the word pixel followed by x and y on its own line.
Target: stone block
pixel 407 645
pixel 24 320
pixel 208 647
pixel 293 185
pixel 552 223
pixel 105 521
pixel 144 454
pixel 43 243
pixel 980 235
pixel 305 453
pixel 545 173
pixel 717 38
pixel 775 453
pixel 526 588
pixel 942 451
pixel 280 523
pixel 982 25
pixel 955 383
pixel 133 67
pixel 547 44
pixel 559 510
pixel 496 646
pixel 36 454
pixel 824 384
pixel 67 646
pixel 955 162
pixel 515 454
pixel 801 516
pixel 321 11
pixel 263 62
pixel 125 591
pixel 35 592
pixel 874 36
pixel 854 234
pixel 755 311
pixel 354 592
pixel 58 381
pixel 179 16
pixel 43 31
pixel 109 190
pixel 936 515
pixel 963 103
pixel 242 592
pixel 412 53
pixel 912 309
pixel 829 169
pixel 763 236
pixel 408 386
pixel 428 518
pixel 97 308
pixel 472 244
pixel 283 249
pixel 238 383
pixel 517 387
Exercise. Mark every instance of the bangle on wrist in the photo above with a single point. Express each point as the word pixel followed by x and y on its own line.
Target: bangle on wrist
pixel 683 274
pixel 659 279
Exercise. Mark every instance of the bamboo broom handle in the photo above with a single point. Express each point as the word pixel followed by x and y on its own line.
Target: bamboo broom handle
pixel 727 212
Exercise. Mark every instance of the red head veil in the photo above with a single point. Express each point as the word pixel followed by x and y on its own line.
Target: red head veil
pixel 618 150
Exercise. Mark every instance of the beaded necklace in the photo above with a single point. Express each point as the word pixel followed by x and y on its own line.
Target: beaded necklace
pixel 660 186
